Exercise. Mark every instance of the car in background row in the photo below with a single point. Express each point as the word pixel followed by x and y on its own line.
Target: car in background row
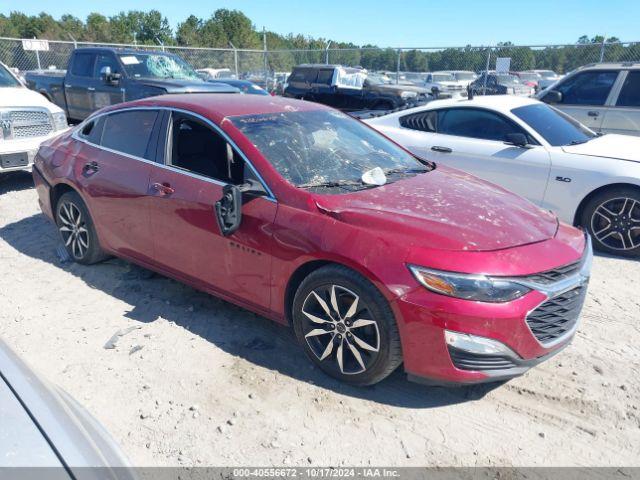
pixel 447 83
pixel 244 86
pixel 547 78
pixel 494 83
pixel 307 216
pixel 99 77
pixel 530 79
pixel 46 434
pixel 26 120
pixel 538 152
pixel 350 89
pixel 217 73
pixel 605 97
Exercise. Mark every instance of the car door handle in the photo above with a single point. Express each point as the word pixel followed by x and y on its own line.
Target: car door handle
pixel 441 149
pixel 67 85
pixel 593 113
pixel 90 168
pixel 163 188
pixel 91 89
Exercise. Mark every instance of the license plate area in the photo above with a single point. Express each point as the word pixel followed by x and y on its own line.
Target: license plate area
pixel 10 160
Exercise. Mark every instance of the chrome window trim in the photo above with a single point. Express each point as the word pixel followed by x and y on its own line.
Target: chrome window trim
pixel 76 136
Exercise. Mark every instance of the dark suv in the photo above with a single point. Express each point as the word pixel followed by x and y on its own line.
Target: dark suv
pixel 350 89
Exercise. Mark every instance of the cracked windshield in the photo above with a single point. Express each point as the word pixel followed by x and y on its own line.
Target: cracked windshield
pixel 154 65
pixel 327 150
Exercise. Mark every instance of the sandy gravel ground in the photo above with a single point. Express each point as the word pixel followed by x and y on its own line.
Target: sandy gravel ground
pixel 201 382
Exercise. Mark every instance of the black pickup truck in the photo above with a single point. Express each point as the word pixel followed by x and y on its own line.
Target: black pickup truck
pixel 98 77
pixel 348 88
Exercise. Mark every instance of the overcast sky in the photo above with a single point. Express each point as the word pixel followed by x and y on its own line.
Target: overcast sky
pixel 408 23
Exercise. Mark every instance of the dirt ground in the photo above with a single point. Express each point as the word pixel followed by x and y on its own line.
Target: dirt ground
pixel 198 381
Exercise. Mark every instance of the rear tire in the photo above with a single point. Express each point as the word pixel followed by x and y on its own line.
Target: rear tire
pixel 346 326
pixel 77 230
pixel 612 218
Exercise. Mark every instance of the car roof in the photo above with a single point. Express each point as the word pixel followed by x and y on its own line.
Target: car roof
pixel 125 51
pixel 217 106
pixel 499 103
pixel 610 65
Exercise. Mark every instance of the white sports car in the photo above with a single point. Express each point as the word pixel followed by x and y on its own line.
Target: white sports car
pixel 533 149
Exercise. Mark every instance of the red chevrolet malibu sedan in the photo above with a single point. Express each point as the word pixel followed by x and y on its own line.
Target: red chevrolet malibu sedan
pixel 308 217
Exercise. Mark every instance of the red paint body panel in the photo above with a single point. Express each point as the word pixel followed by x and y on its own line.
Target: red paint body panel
pixel 444 219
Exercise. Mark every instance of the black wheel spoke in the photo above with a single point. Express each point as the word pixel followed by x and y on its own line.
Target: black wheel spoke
pixel 615 223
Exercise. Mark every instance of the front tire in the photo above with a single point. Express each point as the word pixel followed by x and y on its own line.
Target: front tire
pixel 612 218
pixel 346 326
pixel 77 230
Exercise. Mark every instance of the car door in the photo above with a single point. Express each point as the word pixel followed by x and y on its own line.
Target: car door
pixel 105 93
pixel 198 162
pixel 77 85
pixel 624 116
pixel 113 168
pixel 473 140
pixel 585 96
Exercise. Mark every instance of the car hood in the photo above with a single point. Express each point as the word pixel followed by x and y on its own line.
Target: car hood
pixel 24 97
pixel 174 85
pixel 444 209
pixel 620 147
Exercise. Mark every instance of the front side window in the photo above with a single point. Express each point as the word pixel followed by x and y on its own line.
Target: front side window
pixel 475 123
pixel 83 64
pixel 7 79
pixel 197 148
pixel 630 94
pixel 92 130
pixel 587 88
pixel 129 132
pixel 157 65
pixel 322 147
pixel 554 126
pixel 106 61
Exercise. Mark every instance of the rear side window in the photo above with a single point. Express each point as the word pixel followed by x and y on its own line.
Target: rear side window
pixel 630 94
pixel 83 64
pixel 587 88
pixel 129 132
pixel 475 123
pixel 325 77
pixel 92 131
pixel 423 121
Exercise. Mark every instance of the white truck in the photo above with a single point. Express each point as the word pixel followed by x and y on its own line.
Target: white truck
pixel 26 120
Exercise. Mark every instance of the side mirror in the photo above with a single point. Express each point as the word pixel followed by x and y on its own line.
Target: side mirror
pixel 552 96
pixel 229 209
pixel 435 91
pixel 108 76
pixel 253 188
pixel 517 140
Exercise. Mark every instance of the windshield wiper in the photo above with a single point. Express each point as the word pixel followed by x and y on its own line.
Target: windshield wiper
pixel 407 170
pixel 578 142
pixel 337 183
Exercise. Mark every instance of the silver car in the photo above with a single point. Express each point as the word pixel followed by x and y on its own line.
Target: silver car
pixel 43 427
pixel 605 97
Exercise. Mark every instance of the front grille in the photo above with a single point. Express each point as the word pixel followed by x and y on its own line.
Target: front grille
pixel 558 315
pixel 470 361
pixel 29 123
pixel 557 274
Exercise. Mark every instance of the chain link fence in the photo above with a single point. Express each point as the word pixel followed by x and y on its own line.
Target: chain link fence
pixel 253 63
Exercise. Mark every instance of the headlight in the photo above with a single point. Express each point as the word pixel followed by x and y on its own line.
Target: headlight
pixel 480 288
pixel 407 95
pixel 60 120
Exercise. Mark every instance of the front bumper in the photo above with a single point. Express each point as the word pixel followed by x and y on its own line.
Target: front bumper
pixel 431 357
pixel 28 146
